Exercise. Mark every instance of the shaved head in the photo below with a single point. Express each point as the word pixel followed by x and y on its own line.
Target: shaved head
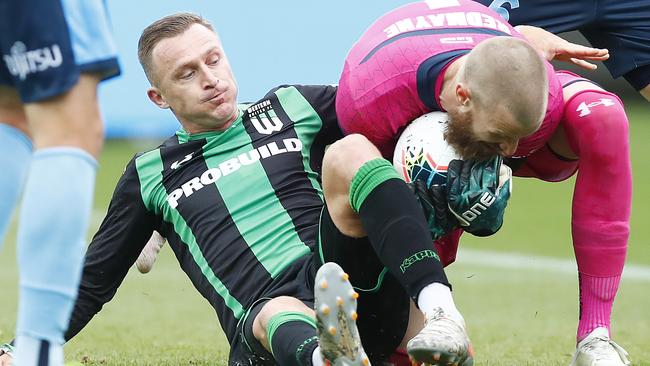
pixel 508 85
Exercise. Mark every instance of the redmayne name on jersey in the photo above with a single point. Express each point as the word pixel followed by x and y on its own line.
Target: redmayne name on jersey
pixel 444 20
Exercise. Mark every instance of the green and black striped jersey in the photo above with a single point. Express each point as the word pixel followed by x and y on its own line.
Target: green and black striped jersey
pixel 237 206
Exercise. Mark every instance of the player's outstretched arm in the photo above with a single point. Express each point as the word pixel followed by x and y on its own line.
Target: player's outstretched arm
pixel 127 227
pixel 553 47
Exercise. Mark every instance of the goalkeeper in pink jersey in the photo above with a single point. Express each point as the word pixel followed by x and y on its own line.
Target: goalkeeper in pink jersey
pixel 459 57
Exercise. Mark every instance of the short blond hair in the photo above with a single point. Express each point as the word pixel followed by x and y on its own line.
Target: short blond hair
pixel 167 27
pixel 507 77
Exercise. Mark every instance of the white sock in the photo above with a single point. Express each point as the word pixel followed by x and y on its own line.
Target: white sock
pixel 29 349
pixel 317 358
pixel 437 295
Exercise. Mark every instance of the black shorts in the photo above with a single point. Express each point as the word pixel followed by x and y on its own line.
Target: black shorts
pixel 383 304
pixel 622 26
pixel 296 281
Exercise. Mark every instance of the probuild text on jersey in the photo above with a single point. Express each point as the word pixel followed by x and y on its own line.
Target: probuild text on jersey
pixel 232 165
pixel 441 20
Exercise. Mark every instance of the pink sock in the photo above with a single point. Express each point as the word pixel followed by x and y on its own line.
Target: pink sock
pixel 596 298
pixel 597 129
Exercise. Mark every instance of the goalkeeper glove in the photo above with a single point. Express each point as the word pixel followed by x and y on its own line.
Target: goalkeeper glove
pixel 477 194
pixel 433 200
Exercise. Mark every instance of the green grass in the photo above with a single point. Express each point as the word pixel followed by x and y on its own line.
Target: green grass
pixel 538 219
pixel 522 318
pixel 515 317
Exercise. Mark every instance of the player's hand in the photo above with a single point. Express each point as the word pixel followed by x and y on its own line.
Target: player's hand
pixel 6 360
pixel 149 253
pixel 6 354
pixel 434 204
pixel 478 193
pixel 553 47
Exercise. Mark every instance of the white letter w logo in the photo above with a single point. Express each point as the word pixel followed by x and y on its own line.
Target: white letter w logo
pixel 266 124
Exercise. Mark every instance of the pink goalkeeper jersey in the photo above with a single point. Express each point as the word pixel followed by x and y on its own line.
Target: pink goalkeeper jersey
pixel 394 73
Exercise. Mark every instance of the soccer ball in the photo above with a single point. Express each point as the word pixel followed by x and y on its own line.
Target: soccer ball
pixel 422 152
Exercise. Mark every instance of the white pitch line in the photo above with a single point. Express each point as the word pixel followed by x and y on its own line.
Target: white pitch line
pixel 531 262
pixel 489 258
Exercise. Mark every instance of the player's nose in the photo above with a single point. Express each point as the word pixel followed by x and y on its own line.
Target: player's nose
pixel 208 79
pixel 508 148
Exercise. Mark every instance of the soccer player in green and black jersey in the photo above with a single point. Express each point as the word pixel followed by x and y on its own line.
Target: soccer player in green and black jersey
pixel 237 193
pixel 239 207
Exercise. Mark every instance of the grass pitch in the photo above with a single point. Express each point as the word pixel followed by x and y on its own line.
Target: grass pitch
pixel 515 316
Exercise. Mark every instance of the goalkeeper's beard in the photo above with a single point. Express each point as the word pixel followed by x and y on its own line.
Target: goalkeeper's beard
pixel 460 136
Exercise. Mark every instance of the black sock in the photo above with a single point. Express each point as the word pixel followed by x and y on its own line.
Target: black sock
pixel 396 227
pixel 293 338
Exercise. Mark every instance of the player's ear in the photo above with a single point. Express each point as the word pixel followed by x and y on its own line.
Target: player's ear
pixel 463 94
pixel 157 98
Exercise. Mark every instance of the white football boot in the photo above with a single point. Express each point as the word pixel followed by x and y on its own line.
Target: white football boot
pixel 442 341
pixel 149 253
pixel 597 349
pixel 336 313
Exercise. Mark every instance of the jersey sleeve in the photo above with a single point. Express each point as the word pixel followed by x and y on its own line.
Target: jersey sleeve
pixel 322 99
pixel 115 247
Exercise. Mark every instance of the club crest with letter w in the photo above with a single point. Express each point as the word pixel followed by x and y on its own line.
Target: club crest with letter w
pixel 264 119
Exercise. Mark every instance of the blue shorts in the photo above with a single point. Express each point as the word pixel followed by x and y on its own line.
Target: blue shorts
pixel 622 26
pixel 46 44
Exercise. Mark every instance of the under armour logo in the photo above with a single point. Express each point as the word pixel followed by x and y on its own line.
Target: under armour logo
pixel 584 110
